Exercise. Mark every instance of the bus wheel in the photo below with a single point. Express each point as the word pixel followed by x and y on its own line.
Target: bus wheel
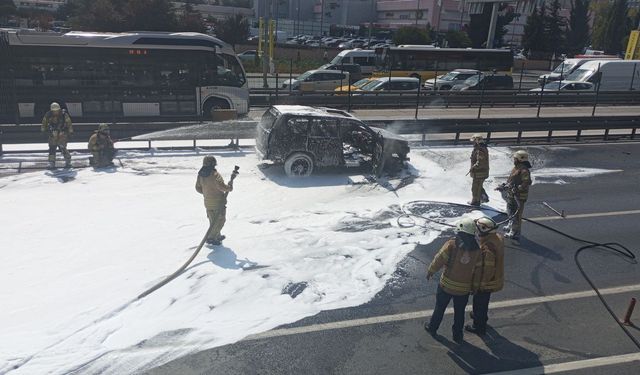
pixel 211 105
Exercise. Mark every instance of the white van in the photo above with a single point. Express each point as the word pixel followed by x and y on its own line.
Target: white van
pixel 565 68
pixel 363 57
pixel 614 75
pixel 314 80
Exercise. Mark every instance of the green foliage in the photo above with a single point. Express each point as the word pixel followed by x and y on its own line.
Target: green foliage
pixel 479 25
pixel 233 29
pixel 411 35
pixel 7 8
pixel 190 20
pixel 555 26
pixel 458 39
pixel 125 15
pixel 535 38
pixel 578 27
pixel 611 26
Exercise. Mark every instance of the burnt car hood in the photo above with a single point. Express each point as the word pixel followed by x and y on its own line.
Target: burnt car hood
pixel 389 136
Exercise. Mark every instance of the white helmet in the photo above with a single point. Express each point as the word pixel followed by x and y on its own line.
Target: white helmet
pixel 521 155
pixel 55 107
pixel 486 225
pixel 476 137
pixel 466 225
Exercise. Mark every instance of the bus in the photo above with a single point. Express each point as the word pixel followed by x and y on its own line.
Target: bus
pixel 426 62
pixel 110 77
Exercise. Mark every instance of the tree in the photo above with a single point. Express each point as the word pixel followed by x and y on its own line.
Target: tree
pixel 534 39
pixel 190 20
pixel 578 33
pixel 411 35
pixel 479 25
pixel 611 27
pixel 554 27
pixel 233 29
pixel 7 8
pixel 150 15
pixel 97 15
pixel 458 39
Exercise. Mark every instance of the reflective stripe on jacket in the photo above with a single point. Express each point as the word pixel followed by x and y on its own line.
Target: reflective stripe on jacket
pixel 479 161
pixel 520 178
pixel 213 189
pixel 489 273
pixel 458 266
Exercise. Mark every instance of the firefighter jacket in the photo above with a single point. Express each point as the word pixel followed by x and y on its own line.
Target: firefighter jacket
pixel 60 122
pixel 458 266
pixel 479 161
pixel 489 273
pixel 100 142
pixel 520 180
pixel 213 188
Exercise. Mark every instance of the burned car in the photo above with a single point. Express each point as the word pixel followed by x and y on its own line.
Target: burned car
pixel 303 138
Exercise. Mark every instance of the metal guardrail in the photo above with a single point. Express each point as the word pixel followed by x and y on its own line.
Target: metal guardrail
pixel 246 129
pixel 504 98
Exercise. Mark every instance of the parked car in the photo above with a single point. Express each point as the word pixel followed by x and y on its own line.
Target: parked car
pixel 249 55
pixel 354 86
pixel 392 84
pixel 486 82
pixel 355 72
pixel 566 86
pixel 302 138
pixel 447 81
pixel 314 80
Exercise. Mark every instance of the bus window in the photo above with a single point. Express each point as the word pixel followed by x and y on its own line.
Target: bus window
pixel 223 70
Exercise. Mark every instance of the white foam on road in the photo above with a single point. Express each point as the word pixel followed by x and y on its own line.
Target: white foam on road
pixel 76 254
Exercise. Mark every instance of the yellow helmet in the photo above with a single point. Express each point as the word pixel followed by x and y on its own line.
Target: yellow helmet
pixel 521 155
pixel 55 107
pixel 466 225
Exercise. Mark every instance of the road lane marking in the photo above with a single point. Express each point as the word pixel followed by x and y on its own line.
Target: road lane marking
pixel 427 313
pixel 582 216
pixel 575 365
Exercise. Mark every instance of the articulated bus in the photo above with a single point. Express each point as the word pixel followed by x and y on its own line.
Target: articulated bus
pixel 150 76
pixel 426 61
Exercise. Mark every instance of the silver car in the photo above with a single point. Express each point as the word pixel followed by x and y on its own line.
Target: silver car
pixel 447 81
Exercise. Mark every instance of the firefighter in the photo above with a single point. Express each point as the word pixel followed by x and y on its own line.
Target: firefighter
pixel 516 191
pixel 458 256
pixel 479 170
pixel 488 276
pixel 101 147
pixel 211 185
pixel 57 123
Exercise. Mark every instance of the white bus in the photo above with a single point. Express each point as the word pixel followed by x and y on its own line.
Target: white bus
pixel 150 76
pixel 365 58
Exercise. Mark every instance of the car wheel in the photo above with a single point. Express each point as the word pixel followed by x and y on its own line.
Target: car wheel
pixel 298 165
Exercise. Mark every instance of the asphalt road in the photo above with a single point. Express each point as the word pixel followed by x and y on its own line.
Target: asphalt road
pixel 563 332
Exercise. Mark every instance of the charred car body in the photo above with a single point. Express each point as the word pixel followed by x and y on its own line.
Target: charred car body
pixel 303 138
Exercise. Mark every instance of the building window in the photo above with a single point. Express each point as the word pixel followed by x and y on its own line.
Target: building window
pixel 389 14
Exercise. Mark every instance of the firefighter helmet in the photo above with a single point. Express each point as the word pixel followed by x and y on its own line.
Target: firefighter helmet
pixel 477 137
pixel 486 225
pixel 55 107
pixel 521 156
pixel 103 128
pixel 209 161
pixel 466 225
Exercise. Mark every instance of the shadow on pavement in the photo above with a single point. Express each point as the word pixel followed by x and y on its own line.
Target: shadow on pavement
pixel 503 354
